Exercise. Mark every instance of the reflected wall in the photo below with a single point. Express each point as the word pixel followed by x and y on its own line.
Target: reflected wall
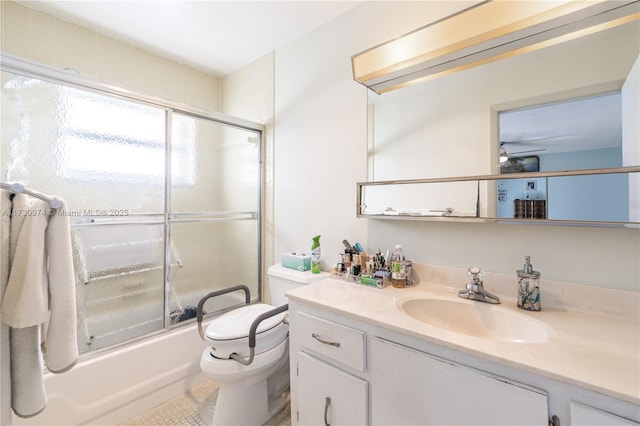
pixel 448 127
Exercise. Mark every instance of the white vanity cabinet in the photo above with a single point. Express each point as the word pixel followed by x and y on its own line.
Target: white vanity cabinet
pixel 419 388
pixel 342 375
pixel 352 368
pixel 326 359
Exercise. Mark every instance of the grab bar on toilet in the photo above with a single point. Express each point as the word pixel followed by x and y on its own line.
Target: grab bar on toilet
pixel 199 312
pixel 252 333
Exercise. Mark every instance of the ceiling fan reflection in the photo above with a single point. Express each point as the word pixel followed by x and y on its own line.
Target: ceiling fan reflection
pixel 506 153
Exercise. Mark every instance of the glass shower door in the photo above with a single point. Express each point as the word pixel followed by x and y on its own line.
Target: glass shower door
pixel 215 224
pixel 105 156
pixel 164 204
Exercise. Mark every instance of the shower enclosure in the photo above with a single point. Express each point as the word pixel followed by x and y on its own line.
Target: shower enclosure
pixel 164 201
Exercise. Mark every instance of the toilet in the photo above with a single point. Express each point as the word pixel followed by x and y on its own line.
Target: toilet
pixel 252 394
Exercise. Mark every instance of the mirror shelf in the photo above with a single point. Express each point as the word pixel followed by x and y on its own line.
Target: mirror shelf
pixel 606 197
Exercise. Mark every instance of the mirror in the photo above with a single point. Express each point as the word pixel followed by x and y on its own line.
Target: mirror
pixel 573 134
pixel 453 127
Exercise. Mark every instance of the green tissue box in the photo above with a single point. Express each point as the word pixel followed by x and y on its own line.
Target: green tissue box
pixel 297 261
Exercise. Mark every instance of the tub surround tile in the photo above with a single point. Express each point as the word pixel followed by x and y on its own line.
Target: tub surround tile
pixel 34 35
pixel 17 11
pixel 19 42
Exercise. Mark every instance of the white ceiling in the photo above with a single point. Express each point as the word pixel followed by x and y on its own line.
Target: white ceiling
pixel 576 125
pixel 218 37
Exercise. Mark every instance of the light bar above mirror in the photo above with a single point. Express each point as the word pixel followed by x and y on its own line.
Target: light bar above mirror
pixel 475 36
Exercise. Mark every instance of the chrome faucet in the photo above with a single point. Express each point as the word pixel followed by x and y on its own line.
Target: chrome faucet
pixel 475 289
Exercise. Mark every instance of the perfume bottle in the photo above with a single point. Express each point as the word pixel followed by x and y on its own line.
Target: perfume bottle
pixel 528 287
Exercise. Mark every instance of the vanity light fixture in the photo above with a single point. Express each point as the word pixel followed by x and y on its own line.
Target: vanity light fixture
pixel 486 32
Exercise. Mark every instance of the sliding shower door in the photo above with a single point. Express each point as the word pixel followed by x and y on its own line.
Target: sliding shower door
pixel 215 194
pixel 163 203
pixel 105 156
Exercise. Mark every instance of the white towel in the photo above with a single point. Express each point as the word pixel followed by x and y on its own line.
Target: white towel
pixel 40 293
pixel 5 371
pixel 28 395
pixel 61 342
pixel 25 304
pixel 26 300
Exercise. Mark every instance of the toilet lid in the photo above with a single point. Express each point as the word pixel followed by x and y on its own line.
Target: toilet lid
pixel 236 324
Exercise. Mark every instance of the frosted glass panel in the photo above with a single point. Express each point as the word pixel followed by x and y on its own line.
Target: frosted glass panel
pixel 214 255
pixel 119 282
pixel 214 167
pixel 95 151
pixel 215 178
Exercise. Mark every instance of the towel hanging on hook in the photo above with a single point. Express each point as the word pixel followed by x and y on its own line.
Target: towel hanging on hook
pixel 17 188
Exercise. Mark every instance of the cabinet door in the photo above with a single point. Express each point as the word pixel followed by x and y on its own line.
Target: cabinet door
pixel 328 395
pixel 410 387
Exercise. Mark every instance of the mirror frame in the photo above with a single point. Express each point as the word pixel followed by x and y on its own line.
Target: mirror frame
pixel 360 202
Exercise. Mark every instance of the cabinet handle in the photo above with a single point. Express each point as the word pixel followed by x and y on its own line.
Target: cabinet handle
pixel 327 401
pixel 555 421
pixel 326 342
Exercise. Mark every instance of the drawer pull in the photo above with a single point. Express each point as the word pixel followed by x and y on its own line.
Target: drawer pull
pixel 327 401
pixel 326 342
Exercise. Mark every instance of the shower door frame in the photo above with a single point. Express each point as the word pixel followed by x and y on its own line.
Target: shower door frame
pixel 13 64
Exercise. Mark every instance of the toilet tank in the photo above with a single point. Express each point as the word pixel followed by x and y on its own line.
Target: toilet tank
pixel 281 280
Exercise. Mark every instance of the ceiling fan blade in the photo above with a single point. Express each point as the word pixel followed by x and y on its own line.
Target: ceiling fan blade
pixel 534 139
pixel 527 151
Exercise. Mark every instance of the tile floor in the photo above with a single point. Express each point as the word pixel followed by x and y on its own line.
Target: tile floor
pixel 194 408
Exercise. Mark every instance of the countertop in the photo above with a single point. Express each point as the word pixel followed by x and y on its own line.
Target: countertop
pixel 588 349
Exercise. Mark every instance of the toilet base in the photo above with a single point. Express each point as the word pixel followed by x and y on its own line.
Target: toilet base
pixel 253 398
pixel 232 407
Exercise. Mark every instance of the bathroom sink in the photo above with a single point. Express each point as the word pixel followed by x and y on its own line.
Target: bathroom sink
pixel 477 319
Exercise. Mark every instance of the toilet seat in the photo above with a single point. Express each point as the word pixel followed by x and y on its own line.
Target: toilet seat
pixel 229 333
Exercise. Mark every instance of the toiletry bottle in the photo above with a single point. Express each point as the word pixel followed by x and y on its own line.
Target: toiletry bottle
pixel 528 287
pixel 398 272
pixel 356 266
pixel 408 267
pixel 315 255
pixel 370 267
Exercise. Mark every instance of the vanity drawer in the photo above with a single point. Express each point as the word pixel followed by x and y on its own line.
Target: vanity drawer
pixel 336 341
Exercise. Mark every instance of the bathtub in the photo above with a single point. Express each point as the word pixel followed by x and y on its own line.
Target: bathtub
pixel 114 385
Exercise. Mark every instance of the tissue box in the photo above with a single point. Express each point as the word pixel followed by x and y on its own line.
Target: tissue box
pixel 299 261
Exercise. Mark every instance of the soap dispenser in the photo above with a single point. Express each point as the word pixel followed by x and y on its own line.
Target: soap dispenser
pixel 528 287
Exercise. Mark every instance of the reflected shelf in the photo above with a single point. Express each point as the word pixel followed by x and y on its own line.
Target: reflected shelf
pixel 606 197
